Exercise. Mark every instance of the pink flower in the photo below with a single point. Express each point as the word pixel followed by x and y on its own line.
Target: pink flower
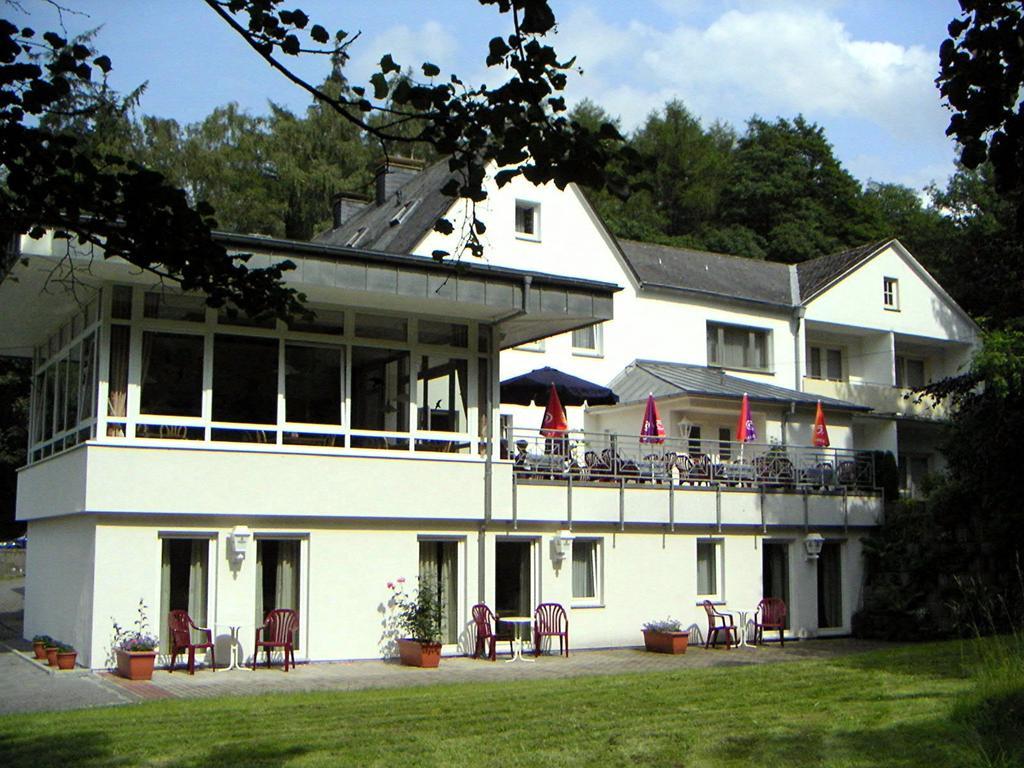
pixel 401 579
pixel 391 585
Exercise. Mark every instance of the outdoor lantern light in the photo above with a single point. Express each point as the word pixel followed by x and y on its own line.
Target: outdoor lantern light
pixel 239 540
pixel 560 545
pixel 812 543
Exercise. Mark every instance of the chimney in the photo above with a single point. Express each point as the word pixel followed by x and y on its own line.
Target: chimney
pixel 345 205
pixel 393 173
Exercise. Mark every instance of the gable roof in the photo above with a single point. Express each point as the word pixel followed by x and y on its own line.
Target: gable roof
pixel 379 233
pixel 711 274
pixel 817 275
pixel 643 377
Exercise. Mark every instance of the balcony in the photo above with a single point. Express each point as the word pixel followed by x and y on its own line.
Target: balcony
pixel 605 478
pixel 880 397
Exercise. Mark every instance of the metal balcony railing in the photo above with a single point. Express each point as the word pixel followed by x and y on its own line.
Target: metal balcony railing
pixel 588 457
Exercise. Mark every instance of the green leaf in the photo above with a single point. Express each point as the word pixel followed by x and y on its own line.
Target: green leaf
pixel 319 34
pixel 431 70
pixel 380 85
pixel 388 64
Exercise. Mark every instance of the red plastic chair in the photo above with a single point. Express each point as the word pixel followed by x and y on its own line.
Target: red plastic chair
pixel 181 626
pixel 549 620
pixel 278 631
pixel 770 614
pixel 484 621
pixel 719 622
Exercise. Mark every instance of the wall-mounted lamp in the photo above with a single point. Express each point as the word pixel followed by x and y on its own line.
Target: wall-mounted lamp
pixel 561 545
pixel 812 545
pixel 239 542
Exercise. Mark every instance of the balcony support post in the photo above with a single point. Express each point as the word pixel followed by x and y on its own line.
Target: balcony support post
pixel 718 507
pixel 807 512
pixel 672 504
pixel 846 511
pixel 622 504
pixel 760 500
pixel 515 503
pixel 568 501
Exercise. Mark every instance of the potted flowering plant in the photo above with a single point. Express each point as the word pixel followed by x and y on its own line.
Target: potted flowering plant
pixel 39 643
pixel 665 636
pixel 418 622
pixel 66 655
pixel 135 649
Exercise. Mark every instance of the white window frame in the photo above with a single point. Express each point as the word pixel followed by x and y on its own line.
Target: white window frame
pixel 597 350
pixel 891 294
pixel 277 432
pixel 751 346
pixel 718 596
pixel 597 599
pixel 900 370
pixel 534 207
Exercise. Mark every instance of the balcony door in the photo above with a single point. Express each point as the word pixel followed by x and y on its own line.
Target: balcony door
pixel 830 586
pixel 278 574
pixel 184 576
pixel 513 582
pixel 775 572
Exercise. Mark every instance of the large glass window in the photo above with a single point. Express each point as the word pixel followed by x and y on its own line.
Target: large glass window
pixel 172 374
pixel 313 383
pixel 731 346
pixel 442 385
pixel 830 586
pixel 245 379
pixel 826 363
pixel 380 389
pixel 909 372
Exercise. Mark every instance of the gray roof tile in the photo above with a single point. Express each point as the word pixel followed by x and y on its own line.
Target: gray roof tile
pixel 643 377
pixel 815 275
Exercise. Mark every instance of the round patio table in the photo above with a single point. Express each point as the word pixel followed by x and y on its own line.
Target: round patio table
pixel 236 644
pixel 742 628
pixel 517 647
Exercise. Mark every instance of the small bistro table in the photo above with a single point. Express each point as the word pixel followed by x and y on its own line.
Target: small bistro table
pixel 517 648
pixel 236 644
pixel 741 630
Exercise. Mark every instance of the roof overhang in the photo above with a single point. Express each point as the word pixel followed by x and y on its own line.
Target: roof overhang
pixel 523 306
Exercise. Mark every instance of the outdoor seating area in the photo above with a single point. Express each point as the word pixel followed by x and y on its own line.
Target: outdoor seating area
pixel 604 458
pixel 549 620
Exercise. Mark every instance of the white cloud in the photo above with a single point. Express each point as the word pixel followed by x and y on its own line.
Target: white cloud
pixel 409 46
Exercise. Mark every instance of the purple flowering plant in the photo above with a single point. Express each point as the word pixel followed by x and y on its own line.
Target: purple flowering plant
pixel 140 638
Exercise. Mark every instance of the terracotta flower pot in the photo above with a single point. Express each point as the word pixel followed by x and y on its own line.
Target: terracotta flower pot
pixel 666 642
pixel 136 665
pixel 51 655
pixel 39 649
pixel 66 659
pixel 413 653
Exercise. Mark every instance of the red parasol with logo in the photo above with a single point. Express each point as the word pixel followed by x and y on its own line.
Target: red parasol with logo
pixel 652 430
pixel 554 423
pixel 820 429
pixel 745 430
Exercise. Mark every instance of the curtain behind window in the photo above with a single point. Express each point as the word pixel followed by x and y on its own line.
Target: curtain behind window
pixel 584 568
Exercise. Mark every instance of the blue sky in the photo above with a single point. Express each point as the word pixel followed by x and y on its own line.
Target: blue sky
pixel 864 69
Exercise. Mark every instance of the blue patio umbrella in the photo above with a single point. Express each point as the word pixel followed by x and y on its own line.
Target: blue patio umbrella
pixel 535 387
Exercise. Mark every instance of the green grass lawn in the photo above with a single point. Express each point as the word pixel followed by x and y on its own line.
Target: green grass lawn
pixel 893 708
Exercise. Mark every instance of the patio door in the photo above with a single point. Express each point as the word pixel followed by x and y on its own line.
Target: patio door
pixel 277 577
pixel 513 585
pixel 830 586
pixel 439 569
pixel 775 573
pixel 183 583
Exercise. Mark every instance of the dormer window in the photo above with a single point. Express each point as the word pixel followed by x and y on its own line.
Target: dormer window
pixel 353 241
pixel 403 213
pixel 527 220
pixel 890 293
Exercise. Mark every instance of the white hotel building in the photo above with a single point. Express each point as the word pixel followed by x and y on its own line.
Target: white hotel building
pixel 355 448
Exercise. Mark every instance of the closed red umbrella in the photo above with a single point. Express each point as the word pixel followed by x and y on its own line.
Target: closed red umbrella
pixel 820 429
pixel 554 423
pixel 745 431
pixel 652 430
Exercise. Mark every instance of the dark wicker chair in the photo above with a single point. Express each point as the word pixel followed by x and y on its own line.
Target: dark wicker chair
pixel 549 620
pixel 770 614
pixel 181 626
pixel 278 631
pixel 719 622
